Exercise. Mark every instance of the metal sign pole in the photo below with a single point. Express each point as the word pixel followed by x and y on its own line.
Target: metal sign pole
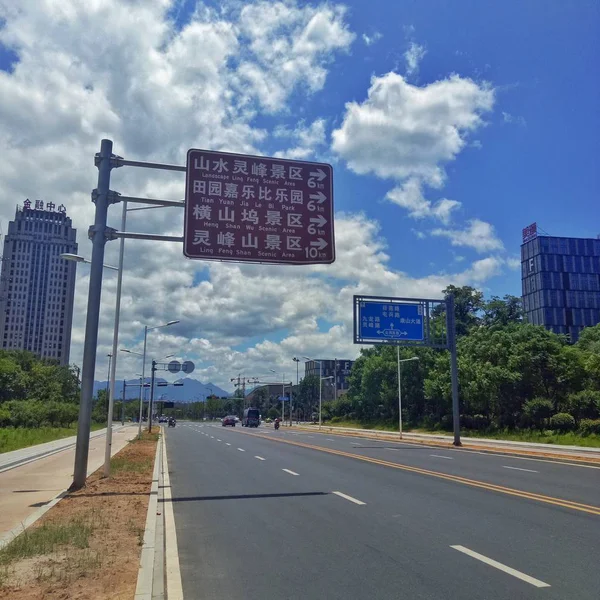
pixel 399 393
pixel 451 327
pixel 151 397
pixel 98 235
pixel 115 348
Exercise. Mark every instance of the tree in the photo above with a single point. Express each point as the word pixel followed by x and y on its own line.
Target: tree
pixel 468 303
pixel 308 395
pixel 502 312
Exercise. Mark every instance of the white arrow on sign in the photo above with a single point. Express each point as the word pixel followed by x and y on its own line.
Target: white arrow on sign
pixel 319 174
pixel 320 243
pixel 320 220
pixel 320 197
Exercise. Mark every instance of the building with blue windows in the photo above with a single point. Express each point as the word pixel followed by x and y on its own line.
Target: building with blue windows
pixel 37 286
pixel 561 283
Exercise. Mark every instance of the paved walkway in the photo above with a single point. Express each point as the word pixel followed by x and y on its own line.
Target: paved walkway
pixel 25 488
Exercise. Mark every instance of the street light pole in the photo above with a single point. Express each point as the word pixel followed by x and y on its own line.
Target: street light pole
pixel 111 391
pixel 400 388
pixel 297 361
pixel 98 235
pixel 143 390
pixel 151 396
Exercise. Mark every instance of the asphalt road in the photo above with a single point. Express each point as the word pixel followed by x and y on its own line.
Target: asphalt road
pixel 270 515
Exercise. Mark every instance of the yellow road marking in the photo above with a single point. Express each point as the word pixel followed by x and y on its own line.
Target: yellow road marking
pixel 587 508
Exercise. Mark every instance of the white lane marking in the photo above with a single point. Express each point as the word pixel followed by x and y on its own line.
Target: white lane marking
pixel 212 437
pixel 493 563
pixel 350 498
pixel 260 458
pixel 517 469
pixel 218 440
pixel 310 436
pixel 440 456
pixel 330 440
pixel 227 444
pixel 290 472
pixel 241 450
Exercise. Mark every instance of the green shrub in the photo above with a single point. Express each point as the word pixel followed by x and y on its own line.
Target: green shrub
pixel 4 417
pixel 584 405
pixel 538 410
pixel 589 426
pixel 562 422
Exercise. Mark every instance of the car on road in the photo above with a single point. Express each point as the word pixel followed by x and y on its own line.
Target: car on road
pixel 251 417
pixel 229 420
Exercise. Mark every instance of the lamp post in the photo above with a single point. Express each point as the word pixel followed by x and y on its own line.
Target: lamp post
pixel 297 361
pixel 400 387
pixel 84 424
pixel 320 388
pixel 146 330
pixel 282 395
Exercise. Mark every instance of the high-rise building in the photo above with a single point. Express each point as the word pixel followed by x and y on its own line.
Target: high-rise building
pixel 561 282
pixel 332 368
pixel 37 285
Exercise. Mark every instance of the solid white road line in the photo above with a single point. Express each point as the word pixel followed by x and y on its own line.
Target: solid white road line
pixel 241 450
pixel 440 456
pixel 260 458
pixel 290 472
pixel 350 498
pixel 517 469
pixel 488 561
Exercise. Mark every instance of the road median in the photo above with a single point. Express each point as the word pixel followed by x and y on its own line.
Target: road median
pixel 570 453
pixel 88 545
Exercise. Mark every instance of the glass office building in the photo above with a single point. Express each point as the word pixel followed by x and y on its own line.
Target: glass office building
pixel 561 283
pixel 37 286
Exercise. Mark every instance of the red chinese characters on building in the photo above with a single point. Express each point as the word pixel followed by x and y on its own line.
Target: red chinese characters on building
pixel 530 232
pixel 258 209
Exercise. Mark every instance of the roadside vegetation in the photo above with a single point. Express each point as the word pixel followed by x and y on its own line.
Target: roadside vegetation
pixel 39 401
pixel 88 545
pixel 516 380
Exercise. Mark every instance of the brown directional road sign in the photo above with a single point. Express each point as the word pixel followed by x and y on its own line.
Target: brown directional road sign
pixel 258 209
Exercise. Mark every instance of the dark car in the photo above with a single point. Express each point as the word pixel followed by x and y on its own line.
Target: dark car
pixel 229 420
pixel 251 418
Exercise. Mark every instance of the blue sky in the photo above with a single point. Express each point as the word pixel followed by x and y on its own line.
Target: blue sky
pixel 496 115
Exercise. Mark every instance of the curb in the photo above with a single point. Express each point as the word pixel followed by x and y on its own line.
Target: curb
pixel 145 580
pixel 507 448
pixel 7 538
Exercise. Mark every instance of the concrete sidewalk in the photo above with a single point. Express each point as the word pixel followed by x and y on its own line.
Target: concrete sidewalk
pixel 26 490
pixel 9 460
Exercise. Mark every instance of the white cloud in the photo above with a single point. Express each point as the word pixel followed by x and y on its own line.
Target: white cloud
pixel 413 57
pixel 369 40
pixel 410 196
pixel 516 120
pixel 307 139
pixel 402 130
pixel 478 235
pixel 122 70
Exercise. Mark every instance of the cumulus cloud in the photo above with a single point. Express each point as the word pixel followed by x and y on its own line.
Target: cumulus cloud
pixel 307 139
pixel 515 120
pixel 413 57
pixel 478 234
pixel 369 40
pixel 402 130
pixel 126 71
pixel 410 196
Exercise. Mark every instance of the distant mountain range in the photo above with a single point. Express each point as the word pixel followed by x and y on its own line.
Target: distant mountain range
pixel 192 390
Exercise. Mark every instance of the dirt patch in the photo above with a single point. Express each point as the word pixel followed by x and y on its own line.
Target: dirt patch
pixel 88 546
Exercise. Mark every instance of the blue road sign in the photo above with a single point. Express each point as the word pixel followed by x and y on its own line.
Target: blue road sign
pixel 283 398
pixel 388 321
